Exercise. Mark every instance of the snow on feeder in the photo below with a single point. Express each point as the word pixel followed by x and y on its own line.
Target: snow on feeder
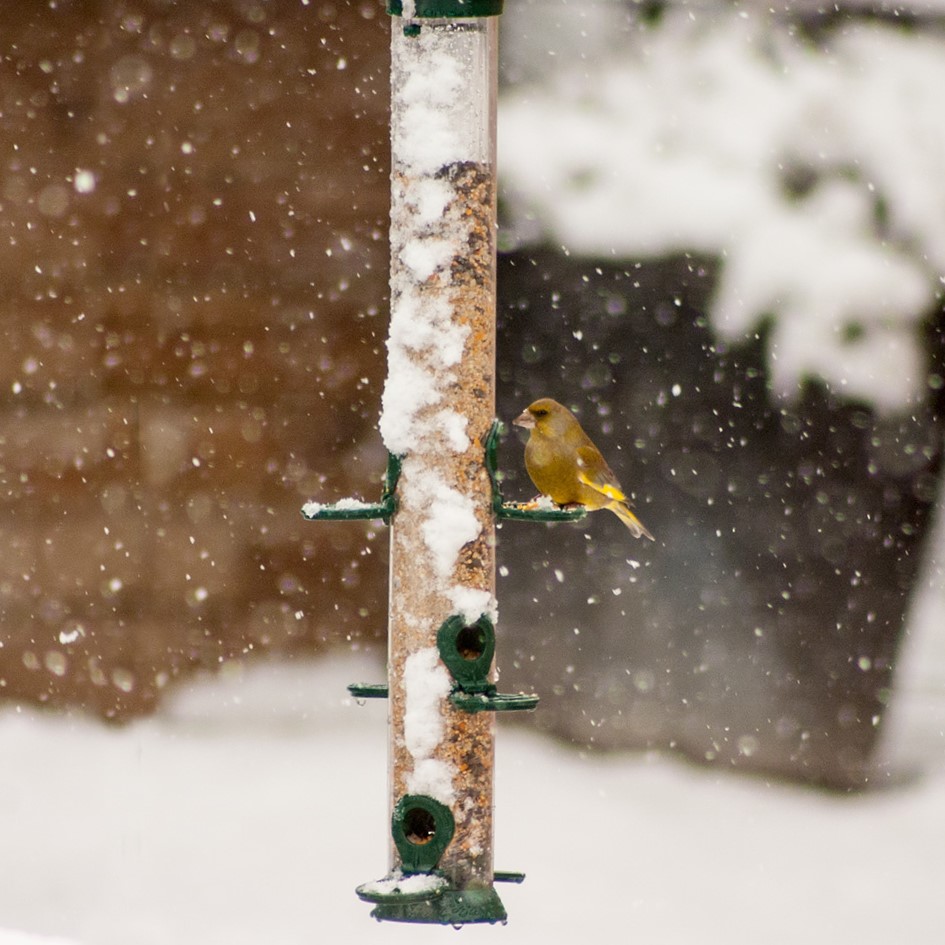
pixel 441 494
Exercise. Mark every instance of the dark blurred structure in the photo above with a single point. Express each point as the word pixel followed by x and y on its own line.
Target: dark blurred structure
pixel 761 629
pixel 193 209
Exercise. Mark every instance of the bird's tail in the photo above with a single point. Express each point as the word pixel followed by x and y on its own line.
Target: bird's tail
pixel 630 520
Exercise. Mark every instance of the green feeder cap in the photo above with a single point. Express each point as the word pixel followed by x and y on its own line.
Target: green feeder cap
pixel 448 9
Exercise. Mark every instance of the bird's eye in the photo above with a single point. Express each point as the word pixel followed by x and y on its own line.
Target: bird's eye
pixel 541 413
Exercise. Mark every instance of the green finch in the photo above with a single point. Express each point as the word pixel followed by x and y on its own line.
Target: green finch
pixel 567 467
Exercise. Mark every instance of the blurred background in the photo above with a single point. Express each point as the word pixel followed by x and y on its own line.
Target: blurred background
pixel 723 245
pixel 194 277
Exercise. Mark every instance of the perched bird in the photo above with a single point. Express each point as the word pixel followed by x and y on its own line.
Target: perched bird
pixel 567 467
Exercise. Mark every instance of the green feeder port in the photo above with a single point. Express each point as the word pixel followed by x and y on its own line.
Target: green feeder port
pixel 467 651
pixel 422 829
pixel 486 701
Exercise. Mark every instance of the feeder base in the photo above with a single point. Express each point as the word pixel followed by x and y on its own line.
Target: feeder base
pixel 451 907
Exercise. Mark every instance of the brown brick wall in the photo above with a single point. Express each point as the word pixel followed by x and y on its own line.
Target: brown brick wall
pixel 193 347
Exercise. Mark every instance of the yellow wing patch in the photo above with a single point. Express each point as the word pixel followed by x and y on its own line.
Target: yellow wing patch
pixel 610 491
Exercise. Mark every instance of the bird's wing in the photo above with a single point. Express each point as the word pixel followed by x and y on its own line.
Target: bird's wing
pixel 593 471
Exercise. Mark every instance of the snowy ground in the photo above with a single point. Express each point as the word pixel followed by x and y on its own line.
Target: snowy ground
pixel 250 811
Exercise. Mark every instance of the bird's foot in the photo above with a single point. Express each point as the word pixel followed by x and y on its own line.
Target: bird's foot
pixel 532 504
pixel 545 503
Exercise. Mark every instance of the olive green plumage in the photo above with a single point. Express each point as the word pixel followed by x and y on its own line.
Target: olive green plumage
pixel 566 466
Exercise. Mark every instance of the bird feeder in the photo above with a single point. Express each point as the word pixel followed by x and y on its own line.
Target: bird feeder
pixel 441 493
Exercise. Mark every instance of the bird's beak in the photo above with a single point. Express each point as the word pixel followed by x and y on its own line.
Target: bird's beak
pixel 524 419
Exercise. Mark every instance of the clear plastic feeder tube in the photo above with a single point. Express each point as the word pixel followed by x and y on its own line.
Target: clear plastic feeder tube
pixel 439 404
pixel 443 93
